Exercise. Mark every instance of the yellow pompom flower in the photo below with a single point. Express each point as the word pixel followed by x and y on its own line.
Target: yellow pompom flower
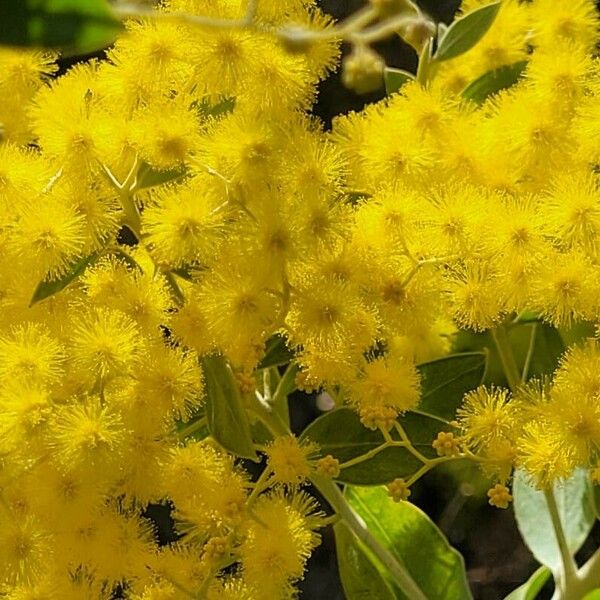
pixel 29 354
pixel 389 381
pixel 572 209
pixel 542 455
pixel 289 460
pixel 184 224
pixel 576 22
pixel 166 134
pixel 103 345
pixel 86 433
pixel 279 543
pixel 27 549
pixel 171 380
pixel 50 234
pixel 487 416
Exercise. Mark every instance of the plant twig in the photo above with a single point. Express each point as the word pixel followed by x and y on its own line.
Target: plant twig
pixel 568 575
pixel 506 357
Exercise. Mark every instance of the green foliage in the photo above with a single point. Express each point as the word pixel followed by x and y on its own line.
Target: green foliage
pixel 595 492
pixel 531 588
pixel 548 347
pixel 149 177
pixel 445 381
pixel 464 33
pixel 277 353
pixel 395 78
pixel 415 541
pixel 73 26
pixel 534 521
pixel 49 287
pixel 341 434
pixel 494 81
pixel 360 575
pixel 227 418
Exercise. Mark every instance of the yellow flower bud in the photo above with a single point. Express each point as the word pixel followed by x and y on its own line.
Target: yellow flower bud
pixel 363 70
pixel 499 496
pixel 398 490
pixel 328 466
pixel 446 444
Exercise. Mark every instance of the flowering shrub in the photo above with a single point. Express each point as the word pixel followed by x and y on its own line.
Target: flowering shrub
pixel 184 245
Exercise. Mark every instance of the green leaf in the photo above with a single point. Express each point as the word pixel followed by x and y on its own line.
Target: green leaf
pixel 531 588
pixel 533 519
pixel 415 541
pixel 593 595
pixel 577 332
pixel 49 287
pixel 227 418
pixel 395 79
pixel 445 381
pixel 341 434
pixel 547 350
pixel 360 575
pixel 595 491
pixel 465 32
pixel 128 260
pixel 196 428
pixel 207 109
pixel 149 177
pixel 492 82
pixel 276 353
pixel 73 26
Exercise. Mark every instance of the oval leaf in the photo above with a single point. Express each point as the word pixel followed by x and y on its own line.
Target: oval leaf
pixel 276 353
pixel 534 522
pixel 445 381
pixel 49 287
pixel 149 177
pixel 492 82
pixel 341 434
pixel 464 33
pixel 395 79
pixel 595 491
pixel 70 25
pixel 415 541
pixel 227 417
pixel 531 588
pixel 361 578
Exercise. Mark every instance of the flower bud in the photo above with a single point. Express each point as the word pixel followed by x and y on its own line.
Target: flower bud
pixel 398 490
pixel 387 8
pixel 417 32
pixel 296 39
pixel 363 70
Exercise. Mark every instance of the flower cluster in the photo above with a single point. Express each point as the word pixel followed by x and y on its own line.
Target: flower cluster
pixel 176 200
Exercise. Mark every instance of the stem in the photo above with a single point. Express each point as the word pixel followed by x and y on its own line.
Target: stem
pixel 334 496
pixel 588 578
pixel 192 428
pixel 506 357
pixel 425 63
pixel 530 350
pixel 568 575
pixel 251 9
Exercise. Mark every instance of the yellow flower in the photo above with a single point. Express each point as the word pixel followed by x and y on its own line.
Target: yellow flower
pixel 279 542
pixel 289 460
pixel 487 416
